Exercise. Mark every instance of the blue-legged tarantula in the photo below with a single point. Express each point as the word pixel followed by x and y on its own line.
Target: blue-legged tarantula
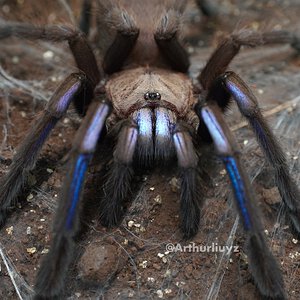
pixel 143 95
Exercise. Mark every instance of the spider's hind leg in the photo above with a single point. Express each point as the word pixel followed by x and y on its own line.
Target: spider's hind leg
pixel 166 37
pixel 28 151
pixel 230 47
pixel 85 16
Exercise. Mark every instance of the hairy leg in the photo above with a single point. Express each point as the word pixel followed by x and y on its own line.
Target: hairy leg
pixel 191 194
pixel 117 185
pixel 80 48
pixel 262 264
pixel 85 16
pixel 50 278
pixel 231 46
pixel 118 33
pixel 28 151
pixel 206 8
pixel 166 37
pixel 248 106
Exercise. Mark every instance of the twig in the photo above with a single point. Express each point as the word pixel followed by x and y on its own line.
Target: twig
pixel 270 112
pixel 19 83
pixel 13 274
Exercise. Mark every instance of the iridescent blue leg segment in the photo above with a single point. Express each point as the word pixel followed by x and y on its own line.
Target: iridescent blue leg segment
pixel 54 267
pixel 28 151
pixel 263 266
pixel 248 106
pixel 191 197
pixel 117 186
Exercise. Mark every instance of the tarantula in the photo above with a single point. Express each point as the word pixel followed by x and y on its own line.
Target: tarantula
pixel 144 97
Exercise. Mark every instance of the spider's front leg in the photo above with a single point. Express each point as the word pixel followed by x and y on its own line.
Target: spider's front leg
pixel 29 149
pixel 50 278
pixel 249 108
pixel 262 264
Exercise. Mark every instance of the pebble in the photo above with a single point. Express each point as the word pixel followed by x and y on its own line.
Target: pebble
pixel 160 293
pixel 48 54
pixel 31 250
pixel 28 230
pixel 158 199
pixel 10 230
pixel 100 262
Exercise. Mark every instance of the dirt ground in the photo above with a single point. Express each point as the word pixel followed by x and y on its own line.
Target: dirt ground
pixel 134 261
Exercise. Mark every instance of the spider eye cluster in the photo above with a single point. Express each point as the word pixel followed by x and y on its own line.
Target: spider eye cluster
pixel 152 96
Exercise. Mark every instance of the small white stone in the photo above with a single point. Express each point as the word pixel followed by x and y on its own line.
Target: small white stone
pixel 151 279
pixel 168 291
pixel 158 199
pixel 143 264
pixel 10 230
pixel 48 54
pixel 15 59
pixel 28 230
pixel 31 250
pixel 160 294
pixel 223 172
pixel 294 241
pixel 29 197
pixel 130 224
pixel 260 91
pixel 160 255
